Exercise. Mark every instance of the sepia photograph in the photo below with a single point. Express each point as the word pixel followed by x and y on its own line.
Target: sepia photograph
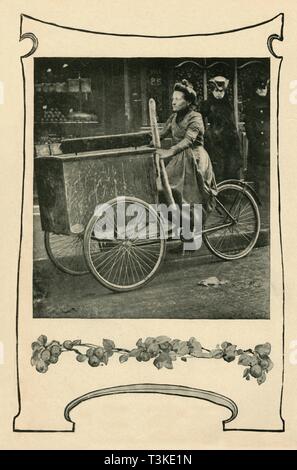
pixel 151 193
pixel 148 193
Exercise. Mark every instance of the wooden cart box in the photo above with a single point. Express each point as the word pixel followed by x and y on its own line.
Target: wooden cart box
pixel 70 186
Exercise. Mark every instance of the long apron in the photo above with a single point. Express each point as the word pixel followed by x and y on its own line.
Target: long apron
pixel 190 172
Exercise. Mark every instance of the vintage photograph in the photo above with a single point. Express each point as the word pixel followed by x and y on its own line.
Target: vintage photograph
pixel 151 188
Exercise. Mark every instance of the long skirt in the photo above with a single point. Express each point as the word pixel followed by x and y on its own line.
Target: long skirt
pixel 192 179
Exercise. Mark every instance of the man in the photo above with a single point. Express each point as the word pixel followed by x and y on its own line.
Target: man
pixel 257 124
pixel 221 138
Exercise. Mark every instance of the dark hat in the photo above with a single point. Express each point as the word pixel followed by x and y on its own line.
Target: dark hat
pixel 261 82
pixel 219 83
pixel 185 87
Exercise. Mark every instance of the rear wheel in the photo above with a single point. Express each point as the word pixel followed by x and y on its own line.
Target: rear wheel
pixel 232 229
pixel 124 244
pixel 66 252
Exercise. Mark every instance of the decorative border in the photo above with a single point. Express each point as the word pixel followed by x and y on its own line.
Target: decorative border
pixel 161 389
pixel 154 388
pixel 162 349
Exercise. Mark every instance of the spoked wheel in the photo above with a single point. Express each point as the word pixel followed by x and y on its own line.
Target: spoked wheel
pixel 66 252
pixel 124 244
pixel 232 229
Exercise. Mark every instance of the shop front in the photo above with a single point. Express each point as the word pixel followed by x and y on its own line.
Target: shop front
pixel 97 96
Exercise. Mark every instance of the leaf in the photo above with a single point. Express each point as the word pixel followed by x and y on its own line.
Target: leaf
pixel 45 355
pixel 108 344
pixel 217 353
pixel 162 339
pixel 168 365
pixel 123 358
pixel 167 346
pixel 172 355
pixel 263 349
pixel 270 364
pixel 105 358
pixel 175 343
pixel 261 379
pixel 166 360
pixel 41 366
pixel 54 359
pixel 195 347
pixel 229 357
pixel 198 354
pixel 99 352
pixel 192 340
pixel 36 356
pixel 196 350
pixel 153 348
pixel 77 342
pixel 90 352
pixel 163 360
pixel 266 363
pixel 182 348
pixel 230 353
pixel 157 363
pixel 231 349
pixel 226 344
pixel 42 340
pixel 148 341
pixel 184 359
pixel 247 360
pixel 81 357
pixel 246 372
pixel 134 352
pixel 139 343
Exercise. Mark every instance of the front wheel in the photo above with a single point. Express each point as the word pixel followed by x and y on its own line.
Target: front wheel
pixel 232 229
pixel 124 244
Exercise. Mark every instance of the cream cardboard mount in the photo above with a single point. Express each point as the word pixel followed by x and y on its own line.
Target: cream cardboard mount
pixel 244 372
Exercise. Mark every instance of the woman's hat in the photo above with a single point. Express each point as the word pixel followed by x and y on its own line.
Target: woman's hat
pixel 219 83
pixel 187 88
pixel 261 82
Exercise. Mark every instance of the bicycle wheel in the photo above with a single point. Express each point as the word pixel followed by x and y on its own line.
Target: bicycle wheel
pixel 232 229
pixel 128 255
pixel 66 252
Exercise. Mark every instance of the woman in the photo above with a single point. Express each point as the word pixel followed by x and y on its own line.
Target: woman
pixel 189 170
pixel 221 138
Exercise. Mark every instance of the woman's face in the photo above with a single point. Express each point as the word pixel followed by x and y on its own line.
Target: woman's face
pixel 178 101
pixel 262 91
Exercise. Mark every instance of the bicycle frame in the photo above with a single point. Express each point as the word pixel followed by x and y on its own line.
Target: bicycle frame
pixel 246 186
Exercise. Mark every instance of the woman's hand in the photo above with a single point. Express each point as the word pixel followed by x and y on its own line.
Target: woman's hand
pixel 162 153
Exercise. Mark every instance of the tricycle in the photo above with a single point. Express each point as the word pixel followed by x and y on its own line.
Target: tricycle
pixel 120 173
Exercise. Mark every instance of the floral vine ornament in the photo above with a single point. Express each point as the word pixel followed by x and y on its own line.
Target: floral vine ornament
pixel 162 349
